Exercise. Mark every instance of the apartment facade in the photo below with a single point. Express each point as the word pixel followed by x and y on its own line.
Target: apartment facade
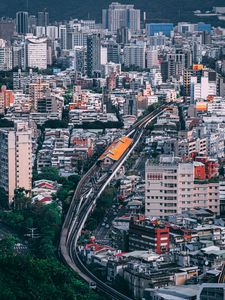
pixel 171 187
pixel 16 158
pixel 36 52
pixel 121 15
pixel 144 235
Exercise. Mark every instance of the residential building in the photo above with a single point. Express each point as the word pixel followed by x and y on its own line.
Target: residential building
pixel 173 187
pixel 16 158
pixel 95 55
pixel 222 198
pixel 7 29
pixel 121 15
pixel 130 105
pixel 134 56
pixel 152 58
pixel 145 235
pixel 36 52
pixel 5 56
pixel 42 18
pixel 38 90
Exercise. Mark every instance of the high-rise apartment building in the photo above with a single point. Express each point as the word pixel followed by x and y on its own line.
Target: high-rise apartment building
pixel 80 60
pixel 123 35
pixel 52 32
pixel 16 158
pixel 96 55
pixel 7 29
pixel 152 59
pixel 32 23
pixel 63 36
pixel 205 88
pixel 38 90
pixel 22 22
pixel 222 198
pixel 43 18
pixel 121 15
pixel 134 56
pixel 36 52
pixel 172 187
pixel 5 56
pixel 113 52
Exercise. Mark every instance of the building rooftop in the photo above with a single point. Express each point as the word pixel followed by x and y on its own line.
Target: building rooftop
pixel 117 149
pixel 177 292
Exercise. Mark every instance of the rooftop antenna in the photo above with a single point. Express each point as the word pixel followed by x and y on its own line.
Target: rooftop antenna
pixel 27 5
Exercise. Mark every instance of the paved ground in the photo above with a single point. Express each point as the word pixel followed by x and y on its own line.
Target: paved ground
pixel 102 232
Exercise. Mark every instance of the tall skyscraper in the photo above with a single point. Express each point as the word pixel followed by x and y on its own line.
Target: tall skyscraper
pixel 93 55
pixel 121 15
pixel 16 158
pixel 43 18
pixel 22 22
pixel 63 36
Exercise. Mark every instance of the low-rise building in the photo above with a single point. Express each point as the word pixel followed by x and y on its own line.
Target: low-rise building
pixel 145 235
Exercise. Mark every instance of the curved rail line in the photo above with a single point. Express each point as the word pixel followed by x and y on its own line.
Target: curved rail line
pixel 82 205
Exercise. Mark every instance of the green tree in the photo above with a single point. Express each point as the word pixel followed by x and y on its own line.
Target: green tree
pixel 4 202
pixel 28 278
pixel 7 244
pixel 49 173
pixel 21 200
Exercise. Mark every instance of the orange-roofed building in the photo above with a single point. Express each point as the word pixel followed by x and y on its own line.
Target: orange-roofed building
pixel 115 151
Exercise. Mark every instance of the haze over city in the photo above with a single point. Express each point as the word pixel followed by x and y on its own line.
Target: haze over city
pixel 112 150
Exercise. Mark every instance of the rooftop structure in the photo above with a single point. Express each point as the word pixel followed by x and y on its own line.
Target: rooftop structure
pixel 116 149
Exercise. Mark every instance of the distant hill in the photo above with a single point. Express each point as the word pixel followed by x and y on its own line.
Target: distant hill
pixel 157 10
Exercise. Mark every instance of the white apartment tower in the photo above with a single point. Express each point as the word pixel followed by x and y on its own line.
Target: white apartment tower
pixel 5 56
pixel 16 158
pixel 121 15
pixel 171 188
pixel 134 55
pixel 37 52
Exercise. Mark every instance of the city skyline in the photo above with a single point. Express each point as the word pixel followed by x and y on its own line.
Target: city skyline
pixel 155 12
pixel 112 150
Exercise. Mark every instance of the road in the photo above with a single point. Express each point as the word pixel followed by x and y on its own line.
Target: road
pixel 83 203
